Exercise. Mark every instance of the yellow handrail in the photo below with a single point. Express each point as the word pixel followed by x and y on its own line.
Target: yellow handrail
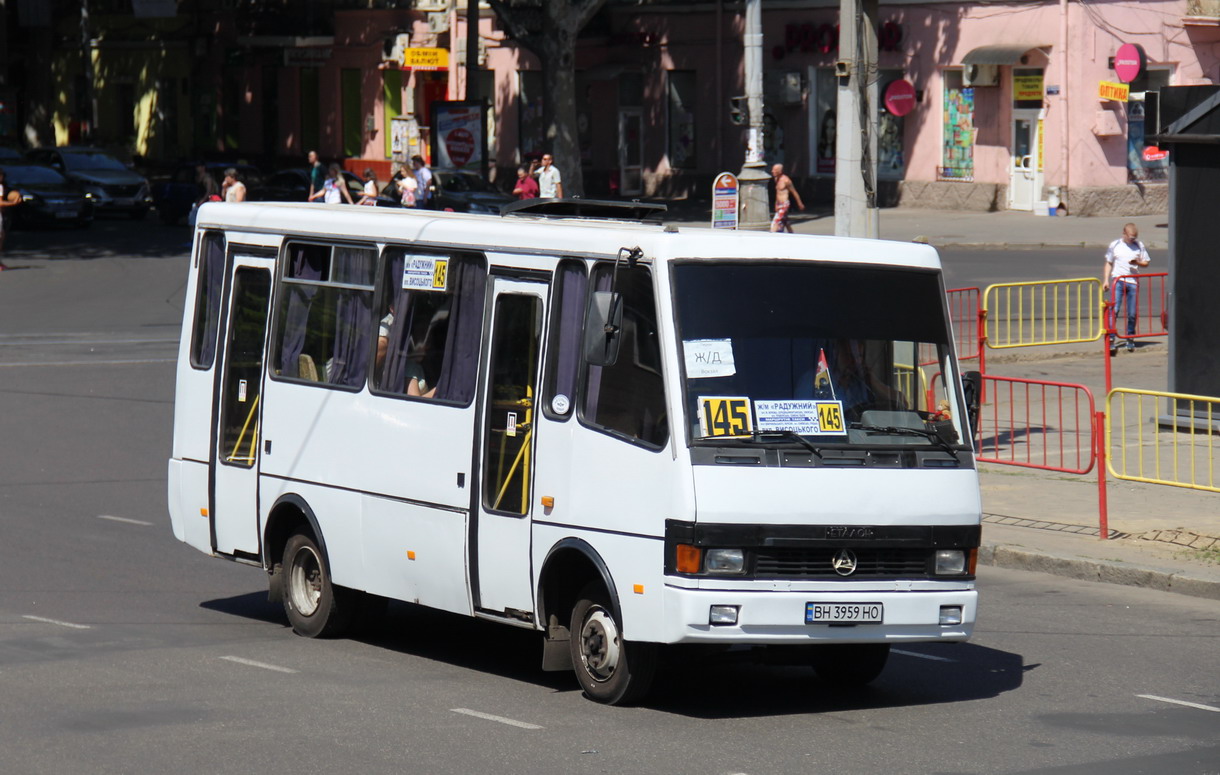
pixel 241 436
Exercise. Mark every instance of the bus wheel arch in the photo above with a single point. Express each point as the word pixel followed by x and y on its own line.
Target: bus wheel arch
pixel 294 553
pixel 569 566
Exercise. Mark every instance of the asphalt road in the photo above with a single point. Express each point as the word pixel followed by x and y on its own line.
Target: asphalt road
pixel 123 651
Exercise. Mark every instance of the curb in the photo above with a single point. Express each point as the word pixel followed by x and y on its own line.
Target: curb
pixel 1105 571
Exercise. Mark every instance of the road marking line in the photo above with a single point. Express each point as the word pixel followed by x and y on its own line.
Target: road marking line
pixel 56 621
pixel 100 340
pixel 124 519
pixel 921 656
pixel 1179 702
pixel 91 362
pixel 263 665
pixel 499 719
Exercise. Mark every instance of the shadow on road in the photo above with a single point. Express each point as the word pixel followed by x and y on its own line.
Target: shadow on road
pixel 690 682
pixel 106 238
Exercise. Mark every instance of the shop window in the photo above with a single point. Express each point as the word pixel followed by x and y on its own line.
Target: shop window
pixel 957 150
pixel 826 100
pixel 1144 164
pixel 891 160
pixel 681 92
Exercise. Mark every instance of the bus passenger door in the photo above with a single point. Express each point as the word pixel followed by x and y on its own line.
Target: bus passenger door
pixel 506 476
pixel 236 410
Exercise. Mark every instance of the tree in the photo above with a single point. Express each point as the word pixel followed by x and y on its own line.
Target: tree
pixel 548 29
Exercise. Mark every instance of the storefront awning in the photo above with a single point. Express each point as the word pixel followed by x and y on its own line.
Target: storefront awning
pixel 1000 54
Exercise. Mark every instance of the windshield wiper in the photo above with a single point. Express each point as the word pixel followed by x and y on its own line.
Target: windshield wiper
pixel 775 435
pixel 893 430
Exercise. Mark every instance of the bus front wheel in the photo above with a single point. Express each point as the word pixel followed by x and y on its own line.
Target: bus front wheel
pixel 315 608
pixel 610 669
pixel 849 665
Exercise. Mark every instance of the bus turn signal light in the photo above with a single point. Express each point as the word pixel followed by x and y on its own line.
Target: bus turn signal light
pixel 689 559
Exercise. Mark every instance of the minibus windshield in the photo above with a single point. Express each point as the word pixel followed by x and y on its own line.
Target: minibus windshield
pixel 830 354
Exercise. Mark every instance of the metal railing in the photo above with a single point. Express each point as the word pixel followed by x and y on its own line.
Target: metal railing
pixel 1164 438
pixel 1037 424
pixel 1044 312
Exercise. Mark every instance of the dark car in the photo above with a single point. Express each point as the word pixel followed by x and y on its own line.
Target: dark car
pixel 292 185
pixel 115 187
pixel 47 198
pixel 466 192
pixel 175 196
pixel 8 154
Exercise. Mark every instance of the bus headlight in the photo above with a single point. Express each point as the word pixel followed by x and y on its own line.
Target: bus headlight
pixel 724 561
pixel 950 562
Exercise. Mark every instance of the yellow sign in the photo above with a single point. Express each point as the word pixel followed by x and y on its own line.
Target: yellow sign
pixel 1027 87
pixel 830 417
pixel 440 274
pixel 1041 144
pixel 725 416
pixel 1108 90
pixel 426 59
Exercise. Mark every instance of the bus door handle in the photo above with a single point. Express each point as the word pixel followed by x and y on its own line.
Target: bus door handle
pixel 266 446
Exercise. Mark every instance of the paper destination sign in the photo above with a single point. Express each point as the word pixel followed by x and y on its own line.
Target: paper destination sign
pixel 808 418
pixel 425 273
pixel 709 358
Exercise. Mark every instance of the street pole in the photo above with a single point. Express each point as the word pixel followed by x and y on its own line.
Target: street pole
pixel 856 213
pixel 87 55
pixel 752 182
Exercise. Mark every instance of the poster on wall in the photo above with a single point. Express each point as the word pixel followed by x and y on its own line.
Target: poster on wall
pixel 958 153
pixel 458 137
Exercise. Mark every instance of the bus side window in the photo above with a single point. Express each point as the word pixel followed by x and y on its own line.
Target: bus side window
pixel 628 396
pixel 326 314
pixel 428 339
pixel 567 317
pixel 207 300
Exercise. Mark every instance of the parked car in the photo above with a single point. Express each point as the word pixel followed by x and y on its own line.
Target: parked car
pixel 466 192
pixel 292 185
pixel 46 196
pixel 174 196
pixel 8 154
pixel 115 187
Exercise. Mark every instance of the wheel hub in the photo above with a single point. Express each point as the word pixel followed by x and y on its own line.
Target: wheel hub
pixel 599 644
pixel 305 581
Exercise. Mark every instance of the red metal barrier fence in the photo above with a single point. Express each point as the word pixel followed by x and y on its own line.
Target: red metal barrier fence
pixel 1151 314
pixel 964 307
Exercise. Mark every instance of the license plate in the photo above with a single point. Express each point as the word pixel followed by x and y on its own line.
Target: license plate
pixel 124 201
pixel 66 214
pixel 844 613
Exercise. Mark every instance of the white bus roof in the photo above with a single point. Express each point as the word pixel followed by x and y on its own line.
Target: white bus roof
pixel 550 236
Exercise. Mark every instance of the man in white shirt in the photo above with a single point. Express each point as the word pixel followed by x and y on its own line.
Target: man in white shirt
pixel 423 182
pixel 1123 259
pixel 550 184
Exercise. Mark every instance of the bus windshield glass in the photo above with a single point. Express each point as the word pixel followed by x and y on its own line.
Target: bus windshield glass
pixel 801 352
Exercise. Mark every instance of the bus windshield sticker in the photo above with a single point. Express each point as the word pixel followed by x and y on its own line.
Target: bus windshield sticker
pixel 725 416
pixel 709 358
pixel 808 418
pixel 425 273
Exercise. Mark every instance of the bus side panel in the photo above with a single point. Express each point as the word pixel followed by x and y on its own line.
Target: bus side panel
pixel 339 516
pixel 416 553
pixel 188 503
pixel 374 444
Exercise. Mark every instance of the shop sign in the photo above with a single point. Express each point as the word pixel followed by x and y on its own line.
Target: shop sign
pixel 1152 153
pixel 724 201
pixel 1027 87
pixel 1108 90
pixel 459 140
pixel 306 57
pixel 1129 62
pixel 425 59
pixel 900 97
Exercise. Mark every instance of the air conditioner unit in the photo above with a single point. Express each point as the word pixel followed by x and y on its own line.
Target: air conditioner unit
pixel 980 75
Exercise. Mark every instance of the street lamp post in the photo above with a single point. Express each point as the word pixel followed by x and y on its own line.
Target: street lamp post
pixel 753 179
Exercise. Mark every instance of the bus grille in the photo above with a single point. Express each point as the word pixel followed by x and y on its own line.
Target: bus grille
pixel 787 563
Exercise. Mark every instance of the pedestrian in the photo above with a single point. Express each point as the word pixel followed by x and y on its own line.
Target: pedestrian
pixel 234 189
pixel 209 191
pixel 370 188
pixel 317 176
pixel 785 194
pixel 1124 258
pixel 334 187
pixel 527 187
pixel 407 188
pixel 8 198
pixel 550 182
pixel 423 182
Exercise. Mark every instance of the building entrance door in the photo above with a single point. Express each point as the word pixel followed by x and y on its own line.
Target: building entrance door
pixel 631 151
pixel 1025 176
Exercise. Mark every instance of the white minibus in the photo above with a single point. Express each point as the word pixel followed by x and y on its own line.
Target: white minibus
pixel 624 435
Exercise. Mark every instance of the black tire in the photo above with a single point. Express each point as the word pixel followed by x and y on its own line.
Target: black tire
pixel 610 670
pixel 316 608
pixel 849 665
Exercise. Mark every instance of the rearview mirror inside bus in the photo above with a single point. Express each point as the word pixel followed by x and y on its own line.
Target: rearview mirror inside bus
pixel 603 327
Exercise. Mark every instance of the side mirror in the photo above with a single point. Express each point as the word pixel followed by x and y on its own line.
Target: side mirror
pixel 603 328
pixel 972 391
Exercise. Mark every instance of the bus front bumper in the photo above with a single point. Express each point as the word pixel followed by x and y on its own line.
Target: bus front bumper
pixel 779 618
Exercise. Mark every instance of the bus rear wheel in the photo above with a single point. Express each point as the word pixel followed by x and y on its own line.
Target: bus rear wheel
pixel 315 607
pixel 849 665
pixel 610 670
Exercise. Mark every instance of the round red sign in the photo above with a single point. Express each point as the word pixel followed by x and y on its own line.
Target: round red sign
pixel 900 97
pixel 1152 153
pixel 460 144
pixel 1129 62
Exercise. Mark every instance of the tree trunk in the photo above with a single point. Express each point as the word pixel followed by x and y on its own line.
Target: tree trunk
pixel 559 110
